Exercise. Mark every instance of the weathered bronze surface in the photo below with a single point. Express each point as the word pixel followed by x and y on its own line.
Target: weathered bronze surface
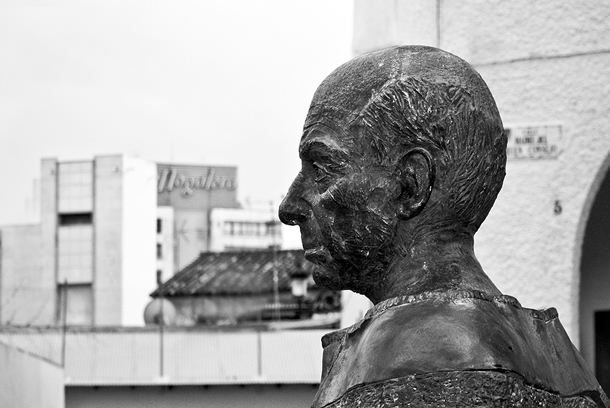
pixel 403 154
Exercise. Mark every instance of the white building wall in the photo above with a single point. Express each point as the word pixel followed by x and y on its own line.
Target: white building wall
pixel 139 262
pixel 191 235
pixel 25 298
pixel 48 228
pixel 545 62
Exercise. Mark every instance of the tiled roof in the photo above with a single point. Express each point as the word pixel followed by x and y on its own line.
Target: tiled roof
pixel 190 357
pixel 235 273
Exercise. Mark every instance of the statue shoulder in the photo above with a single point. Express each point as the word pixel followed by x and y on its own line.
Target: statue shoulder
pixel 454 332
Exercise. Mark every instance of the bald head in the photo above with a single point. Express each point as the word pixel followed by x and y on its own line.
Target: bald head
pixel 416 96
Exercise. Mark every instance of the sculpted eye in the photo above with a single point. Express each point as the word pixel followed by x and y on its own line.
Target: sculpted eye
pixel 321 172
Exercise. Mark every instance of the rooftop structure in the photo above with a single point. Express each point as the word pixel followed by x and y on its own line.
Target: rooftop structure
pixel 244 287
pixel 236 273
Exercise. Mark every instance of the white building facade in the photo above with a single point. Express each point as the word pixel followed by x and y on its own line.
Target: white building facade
pixel 244 229
pixel 90 259
pixel 110 230
pixel 192 192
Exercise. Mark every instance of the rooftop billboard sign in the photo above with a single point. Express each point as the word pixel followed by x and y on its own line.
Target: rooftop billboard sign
pixel 196 187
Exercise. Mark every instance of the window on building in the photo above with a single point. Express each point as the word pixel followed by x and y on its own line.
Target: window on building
pixel 159 251
pixel 75 219
pixel 75 304
pixel 75 187
pixel 159 277
pixel 159 225
pixel 250 228
pixel 273 228
pixel 75 253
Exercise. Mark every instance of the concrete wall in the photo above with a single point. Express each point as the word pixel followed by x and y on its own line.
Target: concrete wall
pixel 108 240
pixel 191 235
pixel 27 381
pixel 545 62
pixel 25 297
pixel 248 396
pixel 48 226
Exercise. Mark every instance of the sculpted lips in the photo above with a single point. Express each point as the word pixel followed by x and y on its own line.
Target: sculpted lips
pixel 318 255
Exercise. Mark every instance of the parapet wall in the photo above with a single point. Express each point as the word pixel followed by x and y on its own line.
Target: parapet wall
pixel 28 381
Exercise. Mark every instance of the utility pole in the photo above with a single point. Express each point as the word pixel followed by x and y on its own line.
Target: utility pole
pixel 161 327
pixel 65 323
pixel 276 289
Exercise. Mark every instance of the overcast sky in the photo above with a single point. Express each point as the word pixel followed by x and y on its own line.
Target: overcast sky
pixel 222 82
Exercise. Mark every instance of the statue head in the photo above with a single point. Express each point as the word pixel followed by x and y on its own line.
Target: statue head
pixel 401 148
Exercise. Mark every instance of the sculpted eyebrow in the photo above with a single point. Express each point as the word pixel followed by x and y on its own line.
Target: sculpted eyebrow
pixel 321 149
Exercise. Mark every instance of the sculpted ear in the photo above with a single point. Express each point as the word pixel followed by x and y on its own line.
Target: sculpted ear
pixel 417 173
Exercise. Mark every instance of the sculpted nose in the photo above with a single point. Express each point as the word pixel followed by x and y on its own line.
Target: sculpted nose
pixel 293 209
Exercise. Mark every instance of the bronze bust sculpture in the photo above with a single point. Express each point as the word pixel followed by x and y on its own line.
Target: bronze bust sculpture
pixel 403 154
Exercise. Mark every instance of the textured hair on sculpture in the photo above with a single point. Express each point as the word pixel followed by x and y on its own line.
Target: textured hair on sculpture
pixel 465 137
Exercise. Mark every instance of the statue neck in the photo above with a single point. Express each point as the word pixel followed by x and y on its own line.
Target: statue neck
pixel 436 264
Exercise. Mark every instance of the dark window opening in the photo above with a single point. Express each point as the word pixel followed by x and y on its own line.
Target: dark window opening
pixel 602 349
pixel 75 219
pixel 159 225
pixel 159 251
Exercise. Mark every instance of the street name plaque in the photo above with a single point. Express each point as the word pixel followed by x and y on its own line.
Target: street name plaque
pixel 534 142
